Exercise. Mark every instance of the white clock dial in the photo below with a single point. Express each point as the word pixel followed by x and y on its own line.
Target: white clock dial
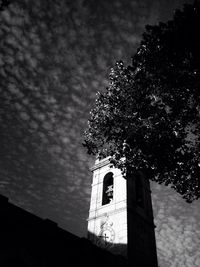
pixel 106 237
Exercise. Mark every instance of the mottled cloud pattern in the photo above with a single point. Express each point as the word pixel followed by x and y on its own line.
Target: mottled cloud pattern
pixel 54 57
pixel 177 228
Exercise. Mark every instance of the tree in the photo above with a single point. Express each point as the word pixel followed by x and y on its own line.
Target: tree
pixel 149 116
pixel 3 4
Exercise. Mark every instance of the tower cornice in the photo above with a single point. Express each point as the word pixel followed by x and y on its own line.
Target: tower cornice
pixel 100 163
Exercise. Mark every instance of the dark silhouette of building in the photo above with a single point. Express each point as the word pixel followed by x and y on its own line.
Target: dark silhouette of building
pixel 29 241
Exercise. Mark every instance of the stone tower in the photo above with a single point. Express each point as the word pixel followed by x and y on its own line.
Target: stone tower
pixel 121 217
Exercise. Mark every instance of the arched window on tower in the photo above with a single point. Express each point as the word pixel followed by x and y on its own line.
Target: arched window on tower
pixel 139 192
pixel 107 188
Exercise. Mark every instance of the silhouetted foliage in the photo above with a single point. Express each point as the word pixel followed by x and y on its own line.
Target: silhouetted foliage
pixel 149 116
pixel 4 4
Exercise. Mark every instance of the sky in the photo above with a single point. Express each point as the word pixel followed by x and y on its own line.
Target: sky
pixel 54 57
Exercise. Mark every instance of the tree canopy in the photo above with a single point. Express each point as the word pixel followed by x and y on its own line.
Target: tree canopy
pixel 149 116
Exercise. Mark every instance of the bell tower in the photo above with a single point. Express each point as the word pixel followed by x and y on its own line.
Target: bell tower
pixel 121 216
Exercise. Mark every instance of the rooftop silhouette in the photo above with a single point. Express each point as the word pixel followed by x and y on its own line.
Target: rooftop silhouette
pixel 29 241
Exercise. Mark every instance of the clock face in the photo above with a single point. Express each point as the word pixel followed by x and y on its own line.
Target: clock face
pixel 106 237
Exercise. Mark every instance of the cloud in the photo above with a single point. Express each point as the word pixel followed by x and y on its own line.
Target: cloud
pixel 177 228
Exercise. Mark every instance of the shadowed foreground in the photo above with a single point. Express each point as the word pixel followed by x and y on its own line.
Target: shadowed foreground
pixel 27 240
